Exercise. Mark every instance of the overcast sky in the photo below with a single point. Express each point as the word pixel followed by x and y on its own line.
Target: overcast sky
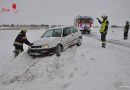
pixel 63 12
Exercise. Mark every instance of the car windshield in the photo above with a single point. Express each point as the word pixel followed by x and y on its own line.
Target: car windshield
pixel 52 33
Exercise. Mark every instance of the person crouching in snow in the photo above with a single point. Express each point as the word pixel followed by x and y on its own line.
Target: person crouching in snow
pixel 103 30
pixel 18 43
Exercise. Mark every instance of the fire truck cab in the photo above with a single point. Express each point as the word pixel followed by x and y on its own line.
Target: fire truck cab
pixel 84 23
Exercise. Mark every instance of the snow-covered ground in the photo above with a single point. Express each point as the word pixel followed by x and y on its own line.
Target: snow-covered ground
pixel 88 67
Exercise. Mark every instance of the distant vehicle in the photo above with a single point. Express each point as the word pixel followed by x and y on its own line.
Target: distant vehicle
pixel 56 40
pixel 84 23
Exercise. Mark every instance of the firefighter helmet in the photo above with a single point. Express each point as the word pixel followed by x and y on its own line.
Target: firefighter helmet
pixel 104 17
pixel 127 21
pixel 23 30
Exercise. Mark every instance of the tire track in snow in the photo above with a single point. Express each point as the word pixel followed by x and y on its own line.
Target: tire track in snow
pixel 27 74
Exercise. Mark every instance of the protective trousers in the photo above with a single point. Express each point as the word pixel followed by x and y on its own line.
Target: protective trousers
pixel 103 39
pixel 125 35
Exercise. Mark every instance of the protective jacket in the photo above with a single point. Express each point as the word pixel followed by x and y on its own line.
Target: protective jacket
pixel 20 39
pixel 126 28
pixel 104 27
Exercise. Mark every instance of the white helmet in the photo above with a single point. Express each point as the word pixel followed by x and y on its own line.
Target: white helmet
pixel 23 30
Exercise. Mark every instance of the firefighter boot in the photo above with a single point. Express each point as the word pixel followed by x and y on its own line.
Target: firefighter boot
pixel 16 52
pixel 103 45
pixel 125 38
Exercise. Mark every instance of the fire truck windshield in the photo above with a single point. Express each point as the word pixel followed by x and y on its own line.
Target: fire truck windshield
pixel 85 20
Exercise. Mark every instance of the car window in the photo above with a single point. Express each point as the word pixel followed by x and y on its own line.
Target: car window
pixel 48 33
pixel 57 32
pixel 66 32
pixel 73 29
pixel 53 33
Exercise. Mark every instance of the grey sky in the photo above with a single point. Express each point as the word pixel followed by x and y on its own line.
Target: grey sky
pixel 64 11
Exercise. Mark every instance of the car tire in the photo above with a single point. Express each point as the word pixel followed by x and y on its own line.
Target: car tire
pixel 58 50
pixel 79 41
pixel 62 49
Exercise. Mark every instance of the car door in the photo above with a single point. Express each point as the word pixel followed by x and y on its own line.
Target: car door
pixel 75 34
pixel 66 37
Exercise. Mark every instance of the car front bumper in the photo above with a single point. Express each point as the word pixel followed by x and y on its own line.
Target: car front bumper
pixel 41 52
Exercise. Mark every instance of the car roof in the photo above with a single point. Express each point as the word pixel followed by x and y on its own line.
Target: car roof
pixel 58 27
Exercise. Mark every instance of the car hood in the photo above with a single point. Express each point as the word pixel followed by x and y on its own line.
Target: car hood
pixel 51 41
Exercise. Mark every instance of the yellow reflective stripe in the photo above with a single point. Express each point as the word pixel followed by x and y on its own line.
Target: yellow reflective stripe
pixel 18 43
pixel 17 50
pixel 24 37
pixel 103 26
pixel 103 41
pixel 20 33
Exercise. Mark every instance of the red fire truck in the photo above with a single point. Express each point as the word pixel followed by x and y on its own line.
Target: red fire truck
pixel 84 23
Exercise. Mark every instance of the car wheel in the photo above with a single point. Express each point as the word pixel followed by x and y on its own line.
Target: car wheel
pixel 62 49
pixel 79 41
pixel 58 50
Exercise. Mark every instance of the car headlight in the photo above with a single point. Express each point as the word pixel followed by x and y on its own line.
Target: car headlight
pixel 45 46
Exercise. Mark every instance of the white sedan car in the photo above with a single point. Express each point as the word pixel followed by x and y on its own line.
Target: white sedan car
pixel 56 40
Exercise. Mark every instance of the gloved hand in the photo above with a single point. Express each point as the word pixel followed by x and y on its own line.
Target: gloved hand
pixel 97 18
pixel 31 44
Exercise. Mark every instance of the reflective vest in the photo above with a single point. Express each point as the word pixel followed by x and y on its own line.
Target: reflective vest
pixel 104 24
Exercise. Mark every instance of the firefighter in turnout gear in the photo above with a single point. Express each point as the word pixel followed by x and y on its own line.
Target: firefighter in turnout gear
pixel 103 30
pixel 126 29
pixel 18 43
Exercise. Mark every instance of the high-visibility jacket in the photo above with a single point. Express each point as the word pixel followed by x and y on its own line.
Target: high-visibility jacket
pixel 20 39
pixel 104 26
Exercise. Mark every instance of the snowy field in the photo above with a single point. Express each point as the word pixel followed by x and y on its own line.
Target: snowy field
pixel 88 67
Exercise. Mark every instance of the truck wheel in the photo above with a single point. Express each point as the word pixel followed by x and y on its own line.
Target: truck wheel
pixel 58 50
pixel 88 32
pixel 79 41
pixel 81 32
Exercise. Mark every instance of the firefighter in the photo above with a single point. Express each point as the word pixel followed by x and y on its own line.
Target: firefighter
pixel 18 43
pixel 103 30
pixel 126 29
